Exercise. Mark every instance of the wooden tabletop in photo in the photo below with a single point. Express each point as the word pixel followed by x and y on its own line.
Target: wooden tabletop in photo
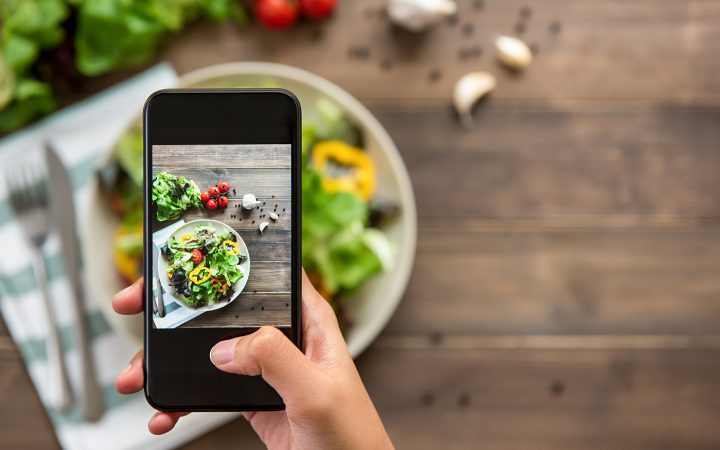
pixel 261 170
pixel 566 290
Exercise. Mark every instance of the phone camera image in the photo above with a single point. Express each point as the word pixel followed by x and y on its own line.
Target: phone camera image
pixel 221 236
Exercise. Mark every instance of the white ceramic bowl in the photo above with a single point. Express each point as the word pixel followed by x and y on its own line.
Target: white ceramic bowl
pixel 237 288
pixel 373 304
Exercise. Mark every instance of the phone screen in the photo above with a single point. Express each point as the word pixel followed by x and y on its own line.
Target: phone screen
pixel 221 234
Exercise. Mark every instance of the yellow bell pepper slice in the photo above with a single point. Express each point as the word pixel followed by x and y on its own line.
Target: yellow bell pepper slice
pixel 231 246
pixel 200 274
pixel 361 177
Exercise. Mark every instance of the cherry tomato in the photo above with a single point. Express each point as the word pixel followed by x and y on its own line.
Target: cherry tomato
pixel 276 14
pixel 213 191
pixel 223 187
pixel 204 197
pixel 211 204
pixel 317 9
pixel 222 201
pixel 196 256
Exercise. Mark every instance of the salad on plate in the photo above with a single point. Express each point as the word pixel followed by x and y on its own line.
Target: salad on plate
pixel 204 265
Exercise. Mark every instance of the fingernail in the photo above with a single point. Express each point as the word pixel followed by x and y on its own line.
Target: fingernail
pixel 125 370
pixel 125 290
pixel 223 352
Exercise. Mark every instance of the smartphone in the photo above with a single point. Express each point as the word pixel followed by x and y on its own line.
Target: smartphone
pixel 222 251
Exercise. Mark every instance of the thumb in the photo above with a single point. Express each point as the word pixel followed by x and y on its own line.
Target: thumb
pixel 270 354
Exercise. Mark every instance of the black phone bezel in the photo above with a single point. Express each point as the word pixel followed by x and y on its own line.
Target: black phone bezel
pixel 216 116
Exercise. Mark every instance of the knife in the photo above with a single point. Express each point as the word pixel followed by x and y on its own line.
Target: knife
pixel 63 209
pixel 158 293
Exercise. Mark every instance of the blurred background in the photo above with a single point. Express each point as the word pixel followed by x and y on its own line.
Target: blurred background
pixel 538 261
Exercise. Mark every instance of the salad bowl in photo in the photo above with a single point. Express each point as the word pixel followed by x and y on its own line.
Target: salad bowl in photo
pixel 219 247
pixel 359 222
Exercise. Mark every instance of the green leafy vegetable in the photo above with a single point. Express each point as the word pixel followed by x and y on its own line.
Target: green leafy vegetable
pixel 28 27
pixel 333 230
pixel 126 33
pixel 173 195
pixel 109 34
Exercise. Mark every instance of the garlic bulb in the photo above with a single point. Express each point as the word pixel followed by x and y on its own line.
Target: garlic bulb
pixel 249 201
pixel 468 90
pixel 419 15
pixel 513 52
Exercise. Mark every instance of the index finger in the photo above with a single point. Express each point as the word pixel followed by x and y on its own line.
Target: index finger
pixel 130 300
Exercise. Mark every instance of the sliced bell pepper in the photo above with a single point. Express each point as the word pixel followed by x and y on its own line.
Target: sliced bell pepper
pixel 200 274
pixel 219 284
pixel 360 178
pixel 231 246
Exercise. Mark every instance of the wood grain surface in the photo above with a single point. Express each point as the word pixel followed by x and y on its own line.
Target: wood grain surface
pixel 565 295
pixel 261 170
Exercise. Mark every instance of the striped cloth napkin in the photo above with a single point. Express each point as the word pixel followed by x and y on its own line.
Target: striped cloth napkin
pixel 92 126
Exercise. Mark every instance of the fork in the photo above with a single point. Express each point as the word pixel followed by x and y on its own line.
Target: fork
pixel 28 192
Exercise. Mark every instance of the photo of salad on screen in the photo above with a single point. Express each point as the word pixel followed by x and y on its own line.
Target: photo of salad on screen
pixel 218 211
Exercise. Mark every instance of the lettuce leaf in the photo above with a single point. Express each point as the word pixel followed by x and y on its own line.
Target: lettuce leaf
pixel 173 195
pixel 332 236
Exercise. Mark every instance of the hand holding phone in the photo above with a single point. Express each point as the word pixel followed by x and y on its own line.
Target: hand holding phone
pixel 326 403
pixel 222 246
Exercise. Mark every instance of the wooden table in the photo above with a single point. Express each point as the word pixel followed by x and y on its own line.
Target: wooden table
pixel 261 170
pixel 566 293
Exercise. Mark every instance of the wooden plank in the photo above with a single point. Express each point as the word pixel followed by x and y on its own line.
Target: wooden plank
pixel 249 310
pixel 523 163
pixel 612 51
pixel 500 282
pixel 546 399
pixel 23 422
pixel 246 222
pixel 225 156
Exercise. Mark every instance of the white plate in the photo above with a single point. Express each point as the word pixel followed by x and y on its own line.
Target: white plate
pixel 244 266
pixel 371 307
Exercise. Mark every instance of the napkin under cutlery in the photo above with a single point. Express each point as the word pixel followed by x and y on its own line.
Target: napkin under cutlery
pixel 82 133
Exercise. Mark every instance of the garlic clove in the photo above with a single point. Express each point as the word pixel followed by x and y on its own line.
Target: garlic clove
pixel 419 15
pixel 273 216
pixel 513 52
pixel 468 90
pixel 249 201
pixel 262 226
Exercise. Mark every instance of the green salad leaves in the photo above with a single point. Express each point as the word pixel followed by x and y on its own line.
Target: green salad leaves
pixel 203 266
pixel 172 195
pixel 106 35
pixel 334 236
pixel 28 27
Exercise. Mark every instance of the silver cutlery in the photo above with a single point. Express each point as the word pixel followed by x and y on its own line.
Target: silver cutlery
pixel 63 207
pixel 28 193
pixel 158 304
